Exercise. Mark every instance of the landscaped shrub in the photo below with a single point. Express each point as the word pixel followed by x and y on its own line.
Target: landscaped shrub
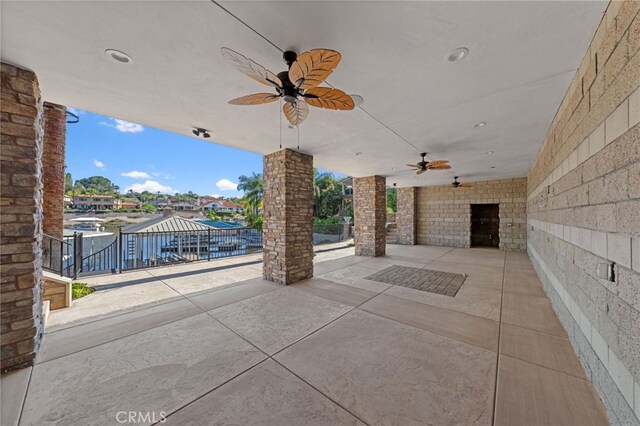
pixel 79 290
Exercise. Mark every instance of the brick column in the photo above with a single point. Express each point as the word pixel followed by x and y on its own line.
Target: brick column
pixel 55 128
pixel 287 230
pixel 20 217
pixel 370 215
pixel 406 217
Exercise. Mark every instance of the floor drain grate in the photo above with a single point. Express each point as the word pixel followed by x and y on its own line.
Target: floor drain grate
pixel 438 282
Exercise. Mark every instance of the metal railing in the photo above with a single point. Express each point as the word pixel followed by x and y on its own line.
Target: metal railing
pixel 131 251
pixel 105 259
pixel 150 249
pixel 62 256
pixel 332 233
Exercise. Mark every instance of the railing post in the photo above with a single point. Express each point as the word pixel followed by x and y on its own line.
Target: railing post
pixel 119 257
pixel 208 245
pixel 61 256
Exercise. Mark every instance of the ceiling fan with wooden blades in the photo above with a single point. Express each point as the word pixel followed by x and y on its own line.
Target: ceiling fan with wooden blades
pixel 297 86
pixel 457 184
pixel 424 165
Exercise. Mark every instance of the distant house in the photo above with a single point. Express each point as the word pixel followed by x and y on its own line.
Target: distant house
pixel 127 204
pixel 67 201
pixel 175 205
pixel 220 205
pixel 93 202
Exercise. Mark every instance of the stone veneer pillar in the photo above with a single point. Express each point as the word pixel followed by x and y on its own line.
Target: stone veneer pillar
pixel 287 230
pixel 20 217
pixel 55 128
pixel 406 217
pixel 370 215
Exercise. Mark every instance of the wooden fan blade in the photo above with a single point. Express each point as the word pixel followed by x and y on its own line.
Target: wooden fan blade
pixel 313 67
pixel 255 99
pixel 413 165
pixel 250 68
pixel 436 162
pixel 297 113
pixel 439 167
pixel 326 97
pixel 465 185
pixel 421 171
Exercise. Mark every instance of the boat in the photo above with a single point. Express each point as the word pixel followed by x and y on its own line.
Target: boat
pixel 86 224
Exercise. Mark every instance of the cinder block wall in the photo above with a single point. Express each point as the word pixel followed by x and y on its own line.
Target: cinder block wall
pixel 584 208
pixel 444 212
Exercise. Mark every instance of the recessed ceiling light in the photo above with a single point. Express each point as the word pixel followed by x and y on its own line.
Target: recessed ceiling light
pixel 489 152
pixel 357 99
pixel 458 54
pixel 480 124
pixel 357 153
pixel 119 56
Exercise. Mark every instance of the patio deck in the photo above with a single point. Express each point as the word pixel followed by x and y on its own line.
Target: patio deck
pixel 213 343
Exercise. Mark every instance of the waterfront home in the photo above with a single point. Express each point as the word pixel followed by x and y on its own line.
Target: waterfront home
pixel 93 202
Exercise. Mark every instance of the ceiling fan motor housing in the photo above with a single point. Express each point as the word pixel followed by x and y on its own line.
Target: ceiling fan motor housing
pixel 289 91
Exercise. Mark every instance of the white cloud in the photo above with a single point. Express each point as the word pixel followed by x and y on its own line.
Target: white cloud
pixel 135 174
pixel 99 164
pixel 128 127
pixel 123 126
pixel 151 186
pixel 226 185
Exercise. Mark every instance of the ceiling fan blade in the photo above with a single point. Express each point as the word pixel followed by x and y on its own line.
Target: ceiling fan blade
pixel 439 167
pixel 421 171
pixel 313 67
pixel 465 185
pixel 436 162
pixel 297 113
pixel 250 68
pixel 326 97
pixel 413 165
pixel 255 99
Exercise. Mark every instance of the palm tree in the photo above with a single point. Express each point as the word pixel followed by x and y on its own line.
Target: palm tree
pixel 253 187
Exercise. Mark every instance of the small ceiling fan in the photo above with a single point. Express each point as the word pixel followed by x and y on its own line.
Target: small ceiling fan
pixel 457 184
pixel 424 165
pixel 297 86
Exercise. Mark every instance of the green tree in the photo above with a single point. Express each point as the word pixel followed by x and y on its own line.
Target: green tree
pixel 327 195
pixel 253 188
pixel 98 185
pixel 392 200
pixel 68 184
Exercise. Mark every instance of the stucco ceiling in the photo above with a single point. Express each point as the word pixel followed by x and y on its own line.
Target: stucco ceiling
pixel 522 58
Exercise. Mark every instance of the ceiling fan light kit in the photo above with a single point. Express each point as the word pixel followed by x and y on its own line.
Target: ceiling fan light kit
pixel 297 86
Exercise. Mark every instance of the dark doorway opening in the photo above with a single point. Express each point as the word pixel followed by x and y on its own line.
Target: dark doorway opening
pixel 485 225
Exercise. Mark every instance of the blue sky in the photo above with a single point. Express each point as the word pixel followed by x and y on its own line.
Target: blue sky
pixel 133 156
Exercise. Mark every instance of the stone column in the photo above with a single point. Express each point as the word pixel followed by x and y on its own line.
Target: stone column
pixel 406 217
pixel 287 230
pixel 370 215
pixel 20 217
pixel 55 128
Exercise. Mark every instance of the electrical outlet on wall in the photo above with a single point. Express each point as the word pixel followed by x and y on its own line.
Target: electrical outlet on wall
pixel 605 271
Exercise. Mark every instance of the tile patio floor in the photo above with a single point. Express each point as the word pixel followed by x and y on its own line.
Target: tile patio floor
pixel 213 343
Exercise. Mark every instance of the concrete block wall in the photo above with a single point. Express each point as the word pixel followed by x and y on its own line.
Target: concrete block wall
pixel 21 148
pixel 444 212
pixel 583 208
pixel 287 231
